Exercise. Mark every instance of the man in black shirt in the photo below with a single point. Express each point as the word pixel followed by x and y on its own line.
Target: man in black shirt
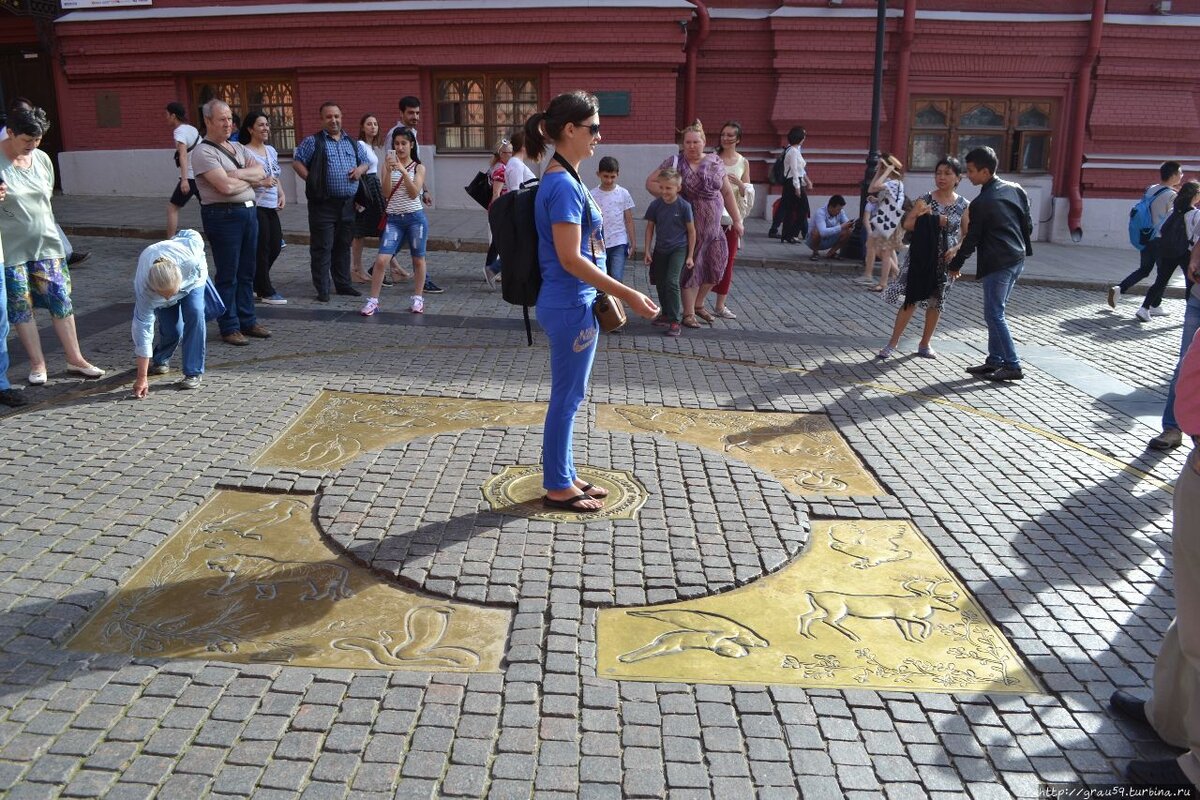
pixel 1000 229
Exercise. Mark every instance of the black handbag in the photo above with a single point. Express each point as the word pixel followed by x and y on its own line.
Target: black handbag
pixel 480 189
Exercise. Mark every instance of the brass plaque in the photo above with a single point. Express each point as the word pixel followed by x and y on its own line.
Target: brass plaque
pixel 804 452
pixel 339 426
pixel 869 605
pixel 248 579
pixel 518 491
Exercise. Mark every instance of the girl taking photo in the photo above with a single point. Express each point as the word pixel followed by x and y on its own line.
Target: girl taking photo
pixel 403 180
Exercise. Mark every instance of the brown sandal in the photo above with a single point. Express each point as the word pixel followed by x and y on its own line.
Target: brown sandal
pixel 703 314
pixel 690 321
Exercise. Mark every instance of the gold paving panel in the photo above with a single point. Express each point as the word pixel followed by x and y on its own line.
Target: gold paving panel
pixel 247 579
pixel 339 426
pixel 869 605
pixel 518 491
pixel 804 452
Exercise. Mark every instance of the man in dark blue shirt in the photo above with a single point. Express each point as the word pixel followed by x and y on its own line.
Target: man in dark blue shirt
pixel 330 194
pixel 1000 228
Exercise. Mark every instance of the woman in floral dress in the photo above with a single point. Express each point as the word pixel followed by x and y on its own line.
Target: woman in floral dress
pixel 950 210
pixel 707 190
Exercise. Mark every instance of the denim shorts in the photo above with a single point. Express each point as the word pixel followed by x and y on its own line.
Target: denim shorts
pixel 411 227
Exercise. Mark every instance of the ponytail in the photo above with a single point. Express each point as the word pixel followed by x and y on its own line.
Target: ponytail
pixel 547 126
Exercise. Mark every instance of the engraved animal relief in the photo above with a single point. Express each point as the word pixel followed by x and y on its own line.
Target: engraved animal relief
pixel 910 612
pixel 664 420
pixel 267 575
pixel 868 549
pixel 813 480
pixel 695 630
pixel 424 629
pixel 250 524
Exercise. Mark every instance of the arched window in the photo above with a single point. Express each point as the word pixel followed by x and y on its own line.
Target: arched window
pixel 474 111
pixel 275 97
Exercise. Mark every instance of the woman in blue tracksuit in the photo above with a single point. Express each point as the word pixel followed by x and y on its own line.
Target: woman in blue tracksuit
pixel 571 255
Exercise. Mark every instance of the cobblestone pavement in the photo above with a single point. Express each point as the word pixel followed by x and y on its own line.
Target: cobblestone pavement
pixel 1039 495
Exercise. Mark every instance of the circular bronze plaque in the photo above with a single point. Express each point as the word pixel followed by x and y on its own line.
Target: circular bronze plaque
pixel 518 491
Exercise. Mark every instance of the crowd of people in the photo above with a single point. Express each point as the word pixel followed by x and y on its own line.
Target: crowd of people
pixel 376 184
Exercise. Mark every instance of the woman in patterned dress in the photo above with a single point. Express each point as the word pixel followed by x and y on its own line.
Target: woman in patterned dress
pixel 705 187
pixel 950 210
pixel 35 261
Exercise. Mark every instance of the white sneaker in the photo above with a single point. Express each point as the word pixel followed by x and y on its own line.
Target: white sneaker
pixel 1114 294
pixel 1143 314
pixel 1159 311
pixel 418 304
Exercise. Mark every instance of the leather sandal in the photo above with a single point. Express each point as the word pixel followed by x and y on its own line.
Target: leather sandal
pixel 690 321
pixel 703 314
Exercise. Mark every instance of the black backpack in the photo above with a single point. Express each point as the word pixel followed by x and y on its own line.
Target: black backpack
pixel 514 234
pixel 775 175
pixel 1173 245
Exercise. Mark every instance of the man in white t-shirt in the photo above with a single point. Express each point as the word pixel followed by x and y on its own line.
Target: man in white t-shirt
pixel 186 138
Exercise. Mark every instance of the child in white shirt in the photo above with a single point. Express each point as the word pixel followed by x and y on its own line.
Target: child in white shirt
pixel 616 209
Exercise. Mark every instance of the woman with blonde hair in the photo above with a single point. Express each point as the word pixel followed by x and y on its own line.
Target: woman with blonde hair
pixel 707 190
pixel 885 236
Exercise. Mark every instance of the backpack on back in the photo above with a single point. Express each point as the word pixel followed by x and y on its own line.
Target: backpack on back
pixel 775 174
pixel 514 233
pixel 1141 219
pixel 1173 244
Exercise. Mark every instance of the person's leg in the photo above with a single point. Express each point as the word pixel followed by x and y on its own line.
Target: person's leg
pixel 1191 323
pixel 1165 271
pixel 680 303
pixel 417 233
pixel 343 234
pixel 223 231
pixel 902 318
pixel 701 296
pixel 389 240
pixel 356 270
pixel 869 260
pixel 842 238
pixel 191 313
pixel 721 290
pixel 614 259
pixel 1174 706
pixel 4 360
pixel 172 219
pixel 262 255
pixel 573 334
pixel 658 272
pixel 1146 261
pixel 20 314
pixel 492 254
pixel 320 244
pixel 997 287
pixel 790 213
pixel 169 324
pixel 246 268
pixel 932 315
pixel 776 217
pixel 50 285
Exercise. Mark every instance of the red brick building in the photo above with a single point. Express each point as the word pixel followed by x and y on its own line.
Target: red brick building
pixel 1082 98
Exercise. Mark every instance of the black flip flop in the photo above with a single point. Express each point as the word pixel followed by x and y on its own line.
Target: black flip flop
pixel 569 504
pixel 588 486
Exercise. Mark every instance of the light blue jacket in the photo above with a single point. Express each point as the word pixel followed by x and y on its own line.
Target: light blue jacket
pixel 187 250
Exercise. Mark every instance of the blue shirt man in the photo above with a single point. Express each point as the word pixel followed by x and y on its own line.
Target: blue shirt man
pixel 330 202
pixel 830 228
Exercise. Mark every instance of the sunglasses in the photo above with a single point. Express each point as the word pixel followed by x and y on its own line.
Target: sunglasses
pixel 593 129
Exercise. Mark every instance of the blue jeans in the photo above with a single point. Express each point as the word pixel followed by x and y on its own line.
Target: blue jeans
pixel 615 258
pixel 997 286
pixel 233 234
pixel 412 228
pixel 1191 322
pixel 186 319
pixel 4 384
pixel 573 333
